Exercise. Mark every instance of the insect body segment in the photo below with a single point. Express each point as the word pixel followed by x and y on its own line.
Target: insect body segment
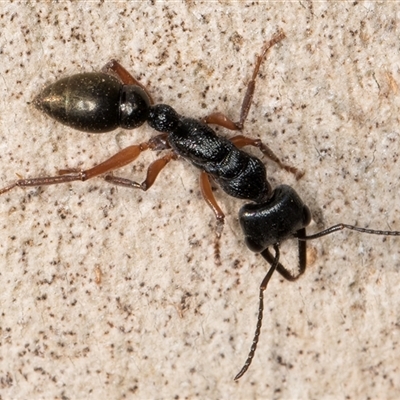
pixel 284 214
pixel 239 174
pixel 94 102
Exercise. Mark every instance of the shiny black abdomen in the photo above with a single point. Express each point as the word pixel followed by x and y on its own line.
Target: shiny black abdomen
pixel 88 102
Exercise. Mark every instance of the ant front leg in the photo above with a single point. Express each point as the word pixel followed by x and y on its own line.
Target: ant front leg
pixel 208 196
pixel 114 68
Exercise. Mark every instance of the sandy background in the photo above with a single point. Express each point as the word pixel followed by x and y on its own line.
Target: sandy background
pixel 170 319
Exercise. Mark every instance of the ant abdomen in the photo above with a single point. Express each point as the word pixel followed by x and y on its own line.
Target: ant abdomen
pixel 94 102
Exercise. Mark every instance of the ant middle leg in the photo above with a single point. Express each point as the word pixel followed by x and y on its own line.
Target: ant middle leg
pixel 152 172
pixel 241 141
pixel 220 119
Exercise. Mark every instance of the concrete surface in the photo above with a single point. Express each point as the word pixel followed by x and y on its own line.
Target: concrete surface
pixel 108 293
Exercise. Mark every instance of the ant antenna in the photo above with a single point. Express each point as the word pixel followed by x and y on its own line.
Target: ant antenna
pixel 263 286
pixel 274 264
pixel 340 227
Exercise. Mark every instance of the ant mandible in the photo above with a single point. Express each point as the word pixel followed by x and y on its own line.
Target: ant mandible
pixel 103 101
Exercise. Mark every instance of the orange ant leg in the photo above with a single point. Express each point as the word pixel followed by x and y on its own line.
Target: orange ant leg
pixel 152 172
pixel 124 157
pixel 208 195
pixel 222 120
pixel 241 141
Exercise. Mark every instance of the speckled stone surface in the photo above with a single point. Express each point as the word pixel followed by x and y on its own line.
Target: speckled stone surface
pixel 109 293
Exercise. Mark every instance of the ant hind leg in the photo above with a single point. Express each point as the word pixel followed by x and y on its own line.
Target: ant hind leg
pixel 220 119
pixel 122 158
pixel 114 68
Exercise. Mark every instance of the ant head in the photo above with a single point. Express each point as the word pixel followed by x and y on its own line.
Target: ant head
pixel 275 220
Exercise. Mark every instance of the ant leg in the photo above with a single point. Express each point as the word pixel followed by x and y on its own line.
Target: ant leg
pixel 156 143
pixel 159 142
pixel 222 120
pixel 124 157
pixel 152 172
pixel 288 275
pixel 114 68
pixel 274 265
pixel 208 195
pixel 241 141
pixel 50 180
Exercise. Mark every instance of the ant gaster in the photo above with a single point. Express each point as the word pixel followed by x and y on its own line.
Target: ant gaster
pixel 103 101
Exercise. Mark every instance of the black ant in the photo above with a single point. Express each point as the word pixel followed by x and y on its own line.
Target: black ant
pixel 103 101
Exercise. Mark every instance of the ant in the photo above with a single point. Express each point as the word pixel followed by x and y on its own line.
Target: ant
pixel 103 101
